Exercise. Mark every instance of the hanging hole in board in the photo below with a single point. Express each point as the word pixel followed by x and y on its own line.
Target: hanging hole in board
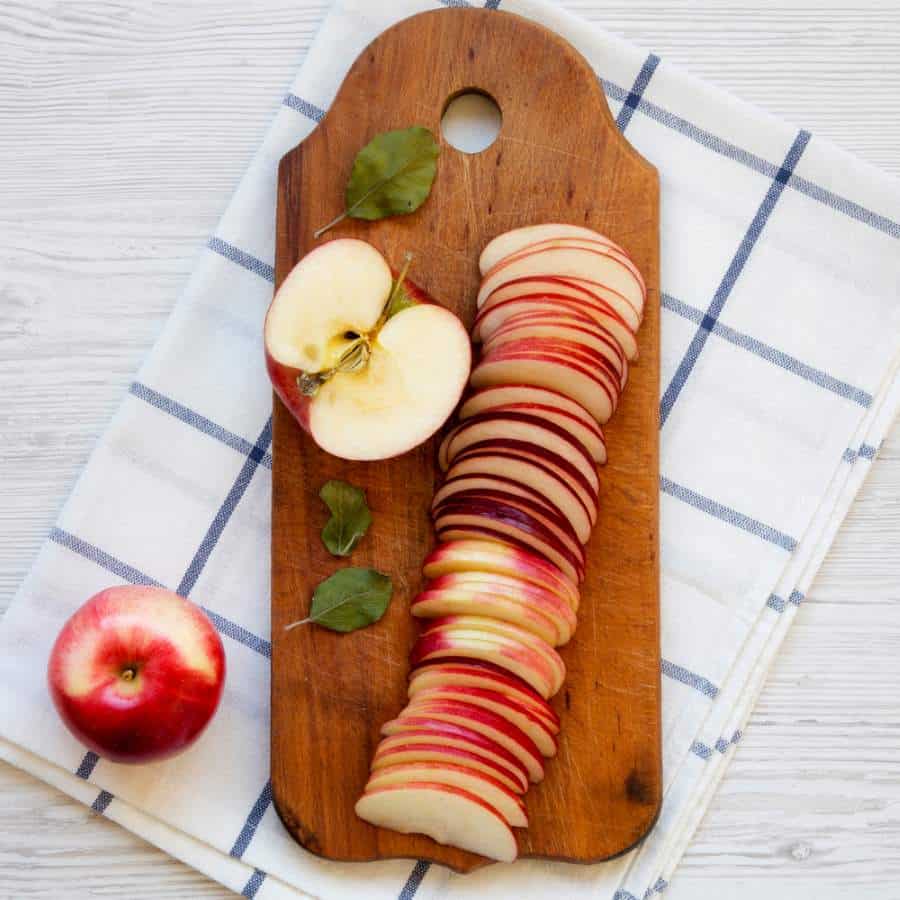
pixel 471 121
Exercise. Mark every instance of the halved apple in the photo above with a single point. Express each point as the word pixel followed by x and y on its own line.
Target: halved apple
pixel 538 472
pixel 483 675
pixel 486 556
pixel 365 385
pixel 423 746
pixel 475 781
pixel 514 712
pixel 420 732
pixel 600 264
pixel 522 660
pixel 486 722
pixel 559 371
pixel 447 814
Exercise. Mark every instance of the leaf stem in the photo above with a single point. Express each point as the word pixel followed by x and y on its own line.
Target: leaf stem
pixel 320 231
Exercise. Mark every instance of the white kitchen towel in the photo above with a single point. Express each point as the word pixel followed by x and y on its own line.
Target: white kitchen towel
pixel 781 344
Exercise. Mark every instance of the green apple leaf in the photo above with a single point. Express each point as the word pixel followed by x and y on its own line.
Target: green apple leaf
pixel 350 516
pixel 350 599
pixel 392 175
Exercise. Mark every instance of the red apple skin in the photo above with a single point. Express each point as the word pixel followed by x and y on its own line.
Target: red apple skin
pixel 284 378
pixel 177 659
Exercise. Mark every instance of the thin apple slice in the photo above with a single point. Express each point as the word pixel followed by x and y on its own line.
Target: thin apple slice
pixel 426 731
pixel 508 523
pixel 517 239
pixel 491 629
pixel 406 747
pixel 551 520
pixel 534 472
pixel 483 675
pixel 520 659
pixel 453 486
pixel 556 371
pixel 599 264
pixel 531 612
pixel 543 403
pixel 516 426
pixel 475 781
pixel 550 326
pixel 486 722
pixel 448 815
pixel 597 365
pixel 559 605
pixel 486 556
pixel 563 301
pixel 514 712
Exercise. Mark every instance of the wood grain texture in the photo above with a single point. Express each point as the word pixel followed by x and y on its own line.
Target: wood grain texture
pixel 559 157
pixel 93 254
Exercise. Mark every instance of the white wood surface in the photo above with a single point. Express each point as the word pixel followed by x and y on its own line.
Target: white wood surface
pixel 124 126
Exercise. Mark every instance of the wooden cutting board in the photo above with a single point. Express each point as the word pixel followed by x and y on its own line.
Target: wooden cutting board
pixel 558 158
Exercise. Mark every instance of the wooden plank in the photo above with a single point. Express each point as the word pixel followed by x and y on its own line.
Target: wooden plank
pixel 559 157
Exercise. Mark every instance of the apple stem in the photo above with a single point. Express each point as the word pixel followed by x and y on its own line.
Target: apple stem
pixel 320 231
pixel 385 313
pixel 129 674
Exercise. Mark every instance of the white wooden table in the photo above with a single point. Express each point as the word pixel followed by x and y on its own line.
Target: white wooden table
pixel 124 126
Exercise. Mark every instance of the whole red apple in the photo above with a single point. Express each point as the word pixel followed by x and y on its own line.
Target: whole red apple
pixel 137 673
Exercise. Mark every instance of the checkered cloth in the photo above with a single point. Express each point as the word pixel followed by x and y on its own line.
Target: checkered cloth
pixel 781 338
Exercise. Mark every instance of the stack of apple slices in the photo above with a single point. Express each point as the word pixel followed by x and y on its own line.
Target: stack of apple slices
pixel 558 311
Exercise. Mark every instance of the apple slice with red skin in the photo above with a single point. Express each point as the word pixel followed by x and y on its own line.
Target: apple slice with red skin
pixel 597 365
pixel 446 814
pixel 453 486
pixel 563 302
pixel 475 781
pixel 520 659
pixel 539 402
pixel 515 713
pixel 493 628
pixel 595 264
pixel 516 426
pixel 486 556
pixel 552 327
pixel 544 615
pixel 511 242
pixel 569 473
pixel 550 519
pixel 562 606
pixel 512 524
pixel 603 246
pixel 364 386
pixel 486 722
pixel 533 472
pixel 559 372
pixel 427 732
pixel 405 748
pixel 483 675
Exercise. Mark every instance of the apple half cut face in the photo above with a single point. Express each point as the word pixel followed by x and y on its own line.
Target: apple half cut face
pixel 443 812
pixel 365 385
